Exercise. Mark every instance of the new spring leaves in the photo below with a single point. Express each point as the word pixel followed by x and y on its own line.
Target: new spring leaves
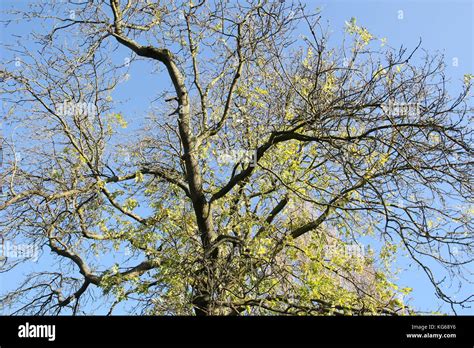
pixel 268 166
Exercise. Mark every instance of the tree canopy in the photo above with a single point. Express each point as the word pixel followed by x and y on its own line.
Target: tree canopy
pixel 269 159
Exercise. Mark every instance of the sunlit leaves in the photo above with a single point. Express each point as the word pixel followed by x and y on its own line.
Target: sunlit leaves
pixel 361 32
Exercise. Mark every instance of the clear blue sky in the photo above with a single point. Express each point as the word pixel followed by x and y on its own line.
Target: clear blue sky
pixel 446 27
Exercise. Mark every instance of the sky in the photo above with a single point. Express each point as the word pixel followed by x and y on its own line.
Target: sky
pixel 445 27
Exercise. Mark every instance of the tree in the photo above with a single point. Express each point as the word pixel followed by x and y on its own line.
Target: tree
pixel 263 167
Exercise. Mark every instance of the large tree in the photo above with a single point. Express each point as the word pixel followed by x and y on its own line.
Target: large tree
pixel 270 159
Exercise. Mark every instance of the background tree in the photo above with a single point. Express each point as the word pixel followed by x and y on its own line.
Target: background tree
pixel 251 187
